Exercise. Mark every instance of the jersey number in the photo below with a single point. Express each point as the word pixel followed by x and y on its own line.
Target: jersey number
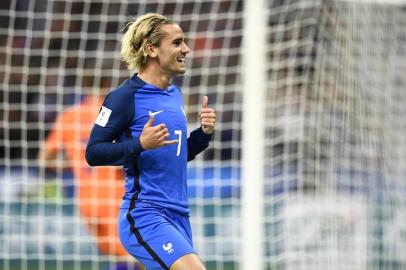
pixel 179 133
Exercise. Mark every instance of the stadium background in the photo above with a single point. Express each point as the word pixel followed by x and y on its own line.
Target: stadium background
pixel 335 129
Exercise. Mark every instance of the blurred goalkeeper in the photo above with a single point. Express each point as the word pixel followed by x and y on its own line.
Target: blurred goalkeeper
pixel 142 126
pixel 98 190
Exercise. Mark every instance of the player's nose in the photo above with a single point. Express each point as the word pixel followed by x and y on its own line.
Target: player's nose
pixel 185 48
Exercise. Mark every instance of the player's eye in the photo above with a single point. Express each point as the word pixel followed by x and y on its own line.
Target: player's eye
pixel 178 42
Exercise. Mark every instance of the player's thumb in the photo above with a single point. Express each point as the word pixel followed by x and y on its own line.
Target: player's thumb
pixel 205 101
pixel 150 120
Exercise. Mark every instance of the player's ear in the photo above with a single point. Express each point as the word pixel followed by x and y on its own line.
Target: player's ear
pixel 151 50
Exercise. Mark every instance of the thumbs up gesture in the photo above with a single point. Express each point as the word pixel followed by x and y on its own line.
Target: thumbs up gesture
pixel 207 117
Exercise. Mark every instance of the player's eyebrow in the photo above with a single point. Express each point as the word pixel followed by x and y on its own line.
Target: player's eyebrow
pixel 176 40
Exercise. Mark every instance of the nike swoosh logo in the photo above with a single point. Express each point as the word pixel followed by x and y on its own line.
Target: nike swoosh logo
pixel 154 113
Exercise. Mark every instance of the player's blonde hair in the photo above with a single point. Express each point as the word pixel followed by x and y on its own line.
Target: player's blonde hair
pixel 146 29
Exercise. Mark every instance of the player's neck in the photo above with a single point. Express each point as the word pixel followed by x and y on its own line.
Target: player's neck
pixel 155 77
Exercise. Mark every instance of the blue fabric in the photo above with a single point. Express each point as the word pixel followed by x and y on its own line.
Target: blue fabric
pixel 155 236
pixel 154 216
pixel 162 171
pixel 124 266
pixel 100 149
pixel 157 175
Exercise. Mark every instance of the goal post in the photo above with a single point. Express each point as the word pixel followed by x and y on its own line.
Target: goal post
pixel 253 134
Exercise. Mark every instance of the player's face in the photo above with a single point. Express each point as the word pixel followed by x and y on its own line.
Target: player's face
pixel 173 50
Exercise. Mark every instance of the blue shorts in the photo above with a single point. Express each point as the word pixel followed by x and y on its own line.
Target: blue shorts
pixel 155 236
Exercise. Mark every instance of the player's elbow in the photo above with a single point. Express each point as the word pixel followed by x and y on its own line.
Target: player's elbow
pixel 90 155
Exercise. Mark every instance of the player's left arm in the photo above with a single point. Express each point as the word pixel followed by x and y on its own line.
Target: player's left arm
pixel 199 138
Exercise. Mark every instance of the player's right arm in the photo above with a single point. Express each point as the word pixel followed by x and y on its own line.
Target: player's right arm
pixel 112 122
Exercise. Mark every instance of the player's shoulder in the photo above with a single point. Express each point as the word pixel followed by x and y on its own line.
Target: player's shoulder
pixel 126 90
pixel 122 91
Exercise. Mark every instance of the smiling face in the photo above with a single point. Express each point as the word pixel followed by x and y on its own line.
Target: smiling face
pixel 172 51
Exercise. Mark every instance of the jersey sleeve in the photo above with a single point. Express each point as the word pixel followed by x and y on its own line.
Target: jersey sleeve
pixel 106 145
pixel 197 142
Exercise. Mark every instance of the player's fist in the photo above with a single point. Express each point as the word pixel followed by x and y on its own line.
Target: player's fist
pixel 154 136
pixel 207 116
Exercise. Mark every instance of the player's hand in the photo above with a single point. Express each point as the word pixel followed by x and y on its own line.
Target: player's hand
pixel 154 136
pixel 207 117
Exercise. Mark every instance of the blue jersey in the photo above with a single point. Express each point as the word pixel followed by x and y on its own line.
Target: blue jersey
pixel 158 175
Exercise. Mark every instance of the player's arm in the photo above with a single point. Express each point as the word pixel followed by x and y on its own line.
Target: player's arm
pixel 196 143
pixel 199 138
pixel 113 120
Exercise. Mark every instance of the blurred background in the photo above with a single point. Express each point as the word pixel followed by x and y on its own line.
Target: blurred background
pixel 335 132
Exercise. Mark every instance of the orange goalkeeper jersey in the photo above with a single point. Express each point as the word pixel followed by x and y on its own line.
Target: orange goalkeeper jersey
pixel 99 189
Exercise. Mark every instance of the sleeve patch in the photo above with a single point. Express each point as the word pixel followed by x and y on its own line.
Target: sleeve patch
pixel 103 117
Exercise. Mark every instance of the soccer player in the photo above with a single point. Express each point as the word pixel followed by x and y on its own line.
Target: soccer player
pixel 142 125
pixel 99 190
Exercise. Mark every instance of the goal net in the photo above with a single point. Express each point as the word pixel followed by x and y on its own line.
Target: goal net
pixel 335 149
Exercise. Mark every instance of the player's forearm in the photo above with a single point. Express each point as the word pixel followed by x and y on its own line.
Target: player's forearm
pixel 109 153
pixel 197 142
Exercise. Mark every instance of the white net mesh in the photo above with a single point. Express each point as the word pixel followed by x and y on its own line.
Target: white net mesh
pixel 57 57
pixel 335 148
